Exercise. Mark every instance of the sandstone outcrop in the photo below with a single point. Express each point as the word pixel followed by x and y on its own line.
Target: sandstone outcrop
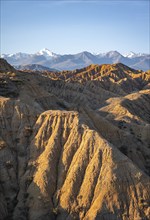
pixel 75 144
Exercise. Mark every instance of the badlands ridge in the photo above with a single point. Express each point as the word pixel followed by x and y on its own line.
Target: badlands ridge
pixel 75 144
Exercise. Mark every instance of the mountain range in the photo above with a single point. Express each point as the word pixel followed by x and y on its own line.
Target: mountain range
pixel 49 59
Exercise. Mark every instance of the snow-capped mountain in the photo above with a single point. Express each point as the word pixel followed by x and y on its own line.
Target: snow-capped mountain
pixel 24 58
pixel 47 53
pixel 134 55
pixel 16 55
pixel 47 58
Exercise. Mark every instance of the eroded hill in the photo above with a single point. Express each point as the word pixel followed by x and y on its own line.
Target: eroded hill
pixel 75 144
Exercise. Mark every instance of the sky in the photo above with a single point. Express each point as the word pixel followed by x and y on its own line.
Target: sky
pixel 68 27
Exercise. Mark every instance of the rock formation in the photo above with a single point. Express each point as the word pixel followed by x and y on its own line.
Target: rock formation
pixel 75 144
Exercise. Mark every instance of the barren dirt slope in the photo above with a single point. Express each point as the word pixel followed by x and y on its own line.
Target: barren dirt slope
pixel 75 147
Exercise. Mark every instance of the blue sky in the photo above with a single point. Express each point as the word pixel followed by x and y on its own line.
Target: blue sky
pixel 74 26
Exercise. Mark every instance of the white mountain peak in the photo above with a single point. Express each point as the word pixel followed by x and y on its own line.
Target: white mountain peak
pixel 131 54
pixel 46 52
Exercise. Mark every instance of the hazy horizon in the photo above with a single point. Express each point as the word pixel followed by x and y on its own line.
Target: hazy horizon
pixel 55 52
pixel 70 27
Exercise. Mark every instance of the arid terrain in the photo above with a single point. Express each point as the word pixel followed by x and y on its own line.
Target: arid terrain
pixel 75 145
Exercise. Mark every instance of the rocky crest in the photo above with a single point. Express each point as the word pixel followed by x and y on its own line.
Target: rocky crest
pixel 75 144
